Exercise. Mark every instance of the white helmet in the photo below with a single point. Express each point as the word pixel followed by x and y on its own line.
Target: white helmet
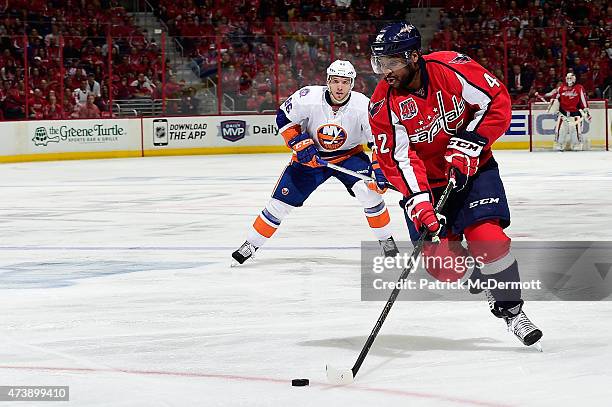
pixel 570 79
pixel 342 68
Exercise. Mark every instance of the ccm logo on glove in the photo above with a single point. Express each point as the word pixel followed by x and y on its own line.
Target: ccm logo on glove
pixel 467 147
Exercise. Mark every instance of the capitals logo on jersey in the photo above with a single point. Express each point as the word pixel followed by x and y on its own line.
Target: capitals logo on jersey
pixel 408 109
pixel 331 136
pixel 446 120
pixel 375 107
pixel 460 59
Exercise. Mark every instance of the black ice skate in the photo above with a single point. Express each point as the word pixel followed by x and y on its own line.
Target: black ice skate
pixel 389 247
pixel 524 330
pixel 517 321
pixel 244 252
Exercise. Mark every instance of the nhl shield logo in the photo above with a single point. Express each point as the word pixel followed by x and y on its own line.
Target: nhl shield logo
pixel 232 130
pixel 408 109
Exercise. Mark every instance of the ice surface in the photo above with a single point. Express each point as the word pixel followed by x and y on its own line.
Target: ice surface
pixel 115 280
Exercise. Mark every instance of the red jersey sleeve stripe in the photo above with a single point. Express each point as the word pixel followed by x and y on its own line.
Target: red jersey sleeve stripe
pixel 474 96
pixel 495 121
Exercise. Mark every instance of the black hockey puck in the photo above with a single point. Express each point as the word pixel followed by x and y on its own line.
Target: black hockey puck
pixel 300 382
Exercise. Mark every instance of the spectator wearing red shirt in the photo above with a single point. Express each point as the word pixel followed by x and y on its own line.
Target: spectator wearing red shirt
pixel 53 110
pixel 89 110
pixel 13 102
pixel 268 104
pixel 540 84
pixel 231 81
pixel 37 104
pixel 103 102
pixel 596 79
pixel 253 101
pixel 69 102
pixel 123 90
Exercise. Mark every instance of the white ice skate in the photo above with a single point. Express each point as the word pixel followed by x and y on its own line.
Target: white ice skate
pixel 577 147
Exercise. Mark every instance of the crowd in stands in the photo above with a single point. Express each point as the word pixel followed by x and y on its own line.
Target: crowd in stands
pixel 76 33
pixel 267 49
pixel 544 39
pixel 239 37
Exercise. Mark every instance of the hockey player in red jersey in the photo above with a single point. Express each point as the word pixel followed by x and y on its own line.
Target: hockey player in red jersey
pixel 571 103
pixel 437 111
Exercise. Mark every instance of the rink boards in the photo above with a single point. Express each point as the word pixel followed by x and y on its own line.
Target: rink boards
pixel 140 137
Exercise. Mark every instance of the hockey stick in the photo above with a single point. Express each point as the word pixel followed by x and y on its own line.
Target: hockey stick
pixel 347 376
pixel 356 174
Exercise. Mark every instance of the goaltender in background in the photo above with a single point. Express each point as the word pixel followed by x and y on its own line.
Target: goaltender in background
pixel 460 264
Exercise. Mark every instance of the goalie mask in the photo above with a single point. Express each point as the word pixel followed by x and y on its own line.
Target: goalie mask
pixel 343 69
pixel 570 79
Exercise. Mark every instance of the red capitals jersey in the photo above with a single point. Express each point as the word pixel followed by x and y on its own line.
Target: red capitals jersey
pixel 412 129
pixel 571 98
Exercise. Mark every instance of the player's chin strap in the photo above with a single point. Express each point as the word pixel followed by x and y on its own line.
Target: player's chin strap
pixel 356 174
pixel 347 376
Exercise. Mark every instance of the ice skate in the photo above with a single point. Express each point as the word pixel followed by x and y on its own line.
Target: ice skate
pixel 517 321
pixel 243 253
pixel 389 248
pixel 524 330
pixel 577 147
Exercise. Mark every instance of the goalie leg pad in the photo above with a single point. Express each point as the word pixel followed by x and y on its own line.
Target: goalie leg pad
pixel 563 132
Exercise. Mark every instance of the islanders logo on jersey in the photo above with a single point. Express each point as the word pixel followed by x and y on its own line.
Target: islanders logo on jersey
pixel 408 109
pixel 331 136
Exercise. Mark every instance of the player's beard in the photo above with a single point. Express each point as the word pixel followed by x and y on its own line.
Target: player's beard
pixel 407 80
pixel 403 82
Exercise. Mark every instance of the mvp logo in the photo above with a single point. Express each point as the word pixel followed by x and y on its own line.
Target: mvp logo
pixel 484 201
pixel 233 130
pixel 41 138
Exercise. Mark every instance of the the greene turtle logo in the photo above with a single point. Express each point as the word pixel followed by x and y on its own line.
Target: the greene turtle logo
pixel 41 138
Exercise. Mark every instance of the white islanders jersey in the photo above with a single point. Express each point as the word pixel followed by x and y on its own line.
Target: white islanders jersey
pixel 334 133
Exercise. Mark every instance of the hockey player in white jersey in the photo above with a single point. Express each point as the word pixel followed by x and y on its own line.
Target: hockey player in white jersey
pixel 324 124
